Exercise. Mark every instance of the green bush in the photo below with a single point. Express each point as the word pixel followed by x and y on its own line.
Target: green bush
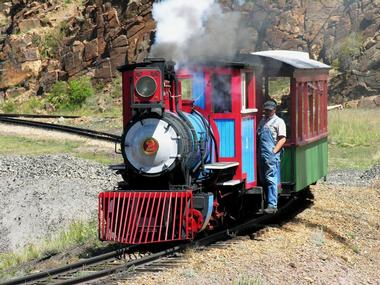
pixel 9 107
pixel 80 90
pixel 50 44
pixel 72 94
pixel 347 50
pixel 32 105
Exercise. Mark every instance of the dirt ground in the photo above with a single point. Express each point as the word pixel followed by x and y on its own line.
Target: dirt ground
pixel 335 241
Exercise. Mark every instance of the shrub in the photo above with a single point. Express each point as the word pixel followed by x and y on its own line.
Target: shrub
pixel 9 107
pixel 70 95
pixel 349 48
pixel 50 44
pixel 80 90
pixel 32 105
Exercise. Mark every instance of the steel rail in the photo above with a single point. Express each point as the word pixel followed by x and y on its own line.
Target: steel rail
pixel 67 268
pixel 258 222
pixel 67 129
pixel 222 235
pixel 38 116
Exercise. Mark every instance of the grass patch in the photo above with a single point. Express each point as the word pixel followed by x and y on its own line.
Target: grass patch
pixel 22 146
pixel 245 280
pixel 19 145
pixel 31 106
pixel 354 138
pixel 100 157
pixel 78 233
pixel 9 107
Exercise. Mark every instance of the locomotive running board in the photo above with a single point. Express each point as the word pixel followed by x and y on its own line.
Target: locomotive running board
pixel 137 217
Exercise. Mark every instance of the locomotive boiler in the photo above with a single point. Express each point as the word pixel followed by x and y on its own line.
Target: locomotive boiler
pixel 189 144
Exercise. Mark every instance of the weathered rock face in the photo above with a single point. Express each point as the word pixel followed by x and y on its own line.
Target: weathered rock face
pixel 20 58
pixel 102 35
pixel 363 75
pixel 107 37
pixel 95 37
pixel 21 61
pixel 332 31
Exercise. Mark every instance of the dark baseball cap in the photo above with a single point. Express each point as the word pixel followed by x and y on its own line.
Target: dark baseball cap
pixel 270 105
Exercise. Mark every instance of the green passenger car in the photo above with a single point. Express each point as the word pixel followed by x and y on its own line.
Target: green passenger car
pixel 303 106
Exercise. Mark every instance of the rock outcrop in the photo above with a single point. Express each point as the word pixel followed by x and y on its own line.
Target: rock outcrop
pixel 94 39
pixel 36 49
pixel 341 33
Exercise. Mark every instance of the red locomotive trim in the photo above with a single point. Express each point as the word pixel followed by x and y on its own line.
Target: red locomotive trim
pixel 145 216
pixel 156 76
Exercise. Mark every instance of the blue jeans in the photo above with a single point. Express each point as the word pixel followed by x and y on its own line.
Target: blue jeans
pixel 269 170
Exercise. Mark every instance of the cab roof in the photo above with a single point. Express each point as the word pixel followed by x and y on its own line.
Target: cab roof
pixel 283 62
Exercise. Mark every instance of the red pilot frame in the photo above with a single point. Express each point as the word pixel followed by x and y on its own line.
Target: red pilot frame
pixel 139 217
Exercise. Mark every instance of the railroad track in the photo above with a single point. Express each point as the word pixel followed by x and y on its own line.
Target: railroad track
pixel 117 265
pixel 37 116
pixel 62 128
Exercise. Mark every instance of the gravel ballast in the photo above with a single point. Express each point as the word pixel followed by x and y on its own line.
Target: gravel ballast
pixel 354 177
pixel 42 195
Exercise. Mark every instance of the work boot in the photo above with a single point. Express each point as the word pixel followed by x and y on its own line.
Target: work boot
pixel 270 210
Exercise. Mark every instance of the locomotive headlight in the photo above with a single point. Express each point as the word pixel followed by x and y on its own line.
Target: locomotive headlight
pixel 146 86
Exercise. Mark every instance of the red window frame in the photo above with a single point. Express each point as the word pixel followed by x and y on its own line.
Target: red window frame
pixel 309 97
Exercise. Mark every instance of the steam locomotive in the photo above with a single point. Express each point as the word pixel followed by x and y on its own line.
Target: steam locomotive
pixel 189 144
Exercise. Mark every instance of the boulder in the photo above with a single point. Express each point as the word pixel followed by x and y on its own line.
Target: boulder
pixel 5 21
pixel 11 75
pixel 2 97
pixel 353 104
pixel 72 62
pixel 118 56
pixel 29 24
pixel 52 65
pixel 30 54
pixel 91 50
pixel 112 18
pixel 368 102
pixel 48 79
pixel 135 29
pixel 377 100
pixel 32 67
pixel 78 47
pixel 49 107
pixel 120 41
pixel 103 70
pixel 14 92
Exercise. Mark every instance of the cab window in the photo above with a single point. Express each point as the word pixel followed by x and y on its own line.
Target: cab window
pixel 221 93
pixel 187 90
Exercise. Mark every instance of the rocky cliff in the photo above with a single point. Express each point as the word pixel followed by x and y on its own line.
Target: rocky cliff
pixel 342 33
pixel 42 42
pixel 45 41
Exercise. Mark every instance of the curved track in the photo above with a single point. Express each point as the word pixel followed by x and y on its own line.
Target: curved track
pixel 36 116
pixel 121 261
pixel 67 129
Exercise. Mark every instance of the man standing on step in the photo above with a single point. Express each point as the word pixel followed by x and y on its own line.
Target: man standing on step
pixel 271 134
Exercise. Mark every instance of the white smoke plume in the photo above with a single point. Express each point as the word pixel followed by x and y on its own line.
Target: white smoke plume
pixel 190 31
